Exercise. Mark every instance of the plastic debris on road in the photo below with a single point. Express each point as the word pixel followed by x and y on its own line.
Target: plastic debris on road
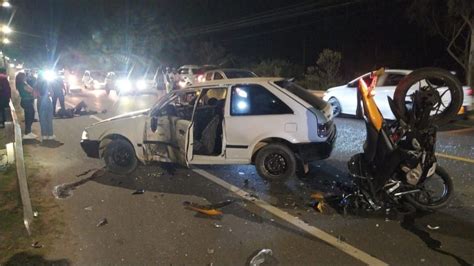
pixel 210 209
pixel 261 256
pixel 138 192
pixel 432 227
pixel 88 208
pixel 35 214
pixel 36 244
pixel 210 251
pixel 218 225
pixel 102 222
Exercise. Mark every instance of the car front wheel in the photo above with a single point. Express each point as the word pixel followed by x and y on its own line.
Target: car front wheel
pixel 336 106
pixel 275 162
pixel 119 157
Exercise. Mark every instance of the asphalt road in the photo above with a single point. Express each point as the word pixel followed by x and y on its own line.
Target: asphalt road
pixel 155 228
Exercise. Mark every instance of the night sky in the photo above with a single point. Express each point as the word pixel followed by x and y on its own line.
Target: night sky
pixel 368 33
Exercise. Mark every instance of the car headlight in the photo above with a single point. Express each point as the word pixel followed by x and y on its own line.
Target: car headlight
pixel 124 84
pixel 182 84
pixel 49 75
pixel 141 84
pixel 72 80
pixel 85 135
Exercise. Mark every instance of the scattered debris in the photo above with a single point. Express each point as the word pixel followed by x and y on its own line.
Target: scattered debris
pixel 432 227
pixel 341 238
pixel 376 225
pixel 36 244
pixel 210 251
pixel 218 225
pixel 138 192
pixel 104 111
pixel 260 257
pixel 86 172
pixel 241 173
pixel 317 196
pixel 88 208
pixel 35 214
pixel 246 182
pixel 102 222
pixel 210 209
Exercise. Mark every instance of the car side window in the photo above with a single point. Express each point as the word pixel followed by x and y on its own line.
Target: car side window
pixel 255 99
pixel 393 79
pixel 218 75
pixel 209 76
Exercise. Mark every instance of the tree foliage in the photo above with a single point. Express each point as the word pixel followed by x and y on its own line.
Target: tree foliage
pixel 325 73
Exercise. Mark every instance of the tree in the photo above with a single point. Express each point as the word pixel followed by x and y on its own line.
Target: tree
pixel 325 73
pixel 277 68
pixel 453 20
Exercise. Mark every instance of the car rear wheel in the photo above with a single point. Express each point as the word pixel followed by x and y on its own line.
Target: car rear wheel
pixel 275 162
pixel 119 157
pixel 336 106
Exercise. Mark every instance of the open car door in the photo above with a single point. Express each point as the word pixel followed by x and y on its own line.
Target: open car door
pixel 168 127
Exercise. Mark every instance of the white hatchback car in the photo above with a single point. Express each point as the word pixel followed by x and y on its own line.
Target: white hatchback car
pixel 270 122
pixel 344 98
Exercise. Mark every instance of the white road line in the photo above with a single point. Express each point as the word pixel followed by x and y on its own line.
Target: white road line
pixel 314 231
pixel 96 118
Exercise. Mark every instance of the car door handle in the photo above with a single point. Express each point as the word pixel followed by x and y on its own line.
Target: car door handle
pixel 181 132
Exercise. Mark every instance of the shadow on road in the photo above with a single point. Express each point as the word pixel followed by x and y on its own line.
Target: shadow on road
pixel 25 258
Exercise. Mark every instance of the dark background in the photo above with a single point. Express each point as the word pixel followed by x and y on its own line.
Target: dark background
pixel 367 33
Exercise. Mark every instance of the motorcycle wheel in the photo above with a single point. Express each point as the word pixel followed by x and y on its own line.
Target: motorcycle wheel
pixel 425 200
pixel 435 79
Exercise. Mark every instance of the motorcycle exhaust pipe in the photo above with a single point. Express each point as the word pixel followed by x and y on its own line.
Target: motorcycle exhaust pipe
pixel 406 192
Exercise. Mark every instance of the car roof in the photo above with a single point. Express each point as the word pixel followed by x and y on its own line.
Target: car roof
pixel 221 82
pixel 189 66
pixel 229 69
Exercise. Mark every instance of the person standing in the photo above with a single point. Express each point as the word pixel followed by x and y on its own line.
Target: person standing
pixel 5 95
pixel 27 103
pixel 45 109
pixel 58 94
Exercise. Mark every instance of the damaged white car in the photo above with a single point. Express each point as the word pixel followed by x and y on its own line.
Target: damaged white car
pixel 270 122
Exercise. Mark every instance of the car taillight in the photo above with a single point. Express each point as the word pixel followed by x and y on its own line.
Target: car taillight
pixel 200 78
pixel 469 91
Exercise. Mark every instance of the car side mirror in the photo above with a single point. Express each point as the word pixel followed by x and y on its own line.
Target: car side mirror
pixel 154 124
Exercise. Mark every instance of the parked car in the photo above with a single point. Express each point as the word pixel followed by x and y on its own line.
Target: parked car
pixel 270 122
pixel 343 99
pixel 228 73
pixel 93 80
pixel 133 83
pixel 188 75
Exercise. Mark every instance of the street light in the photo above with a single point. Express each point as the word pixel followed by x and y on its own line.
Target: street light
pixel 5 29
pixel 6 4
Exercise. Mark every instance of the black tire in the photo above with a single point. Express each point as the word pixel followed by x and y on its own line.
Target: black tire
pixel 275 162
pixel 119 157
pixel 443 201
pixel 414 77
pixel 336 106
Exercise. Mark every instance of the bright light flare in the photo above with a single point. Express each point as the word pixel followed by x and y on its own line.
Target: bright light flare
pixel 5 29
pixel 182 84
pixel 141 84
pixel 49 75
pixel 6 41
pixel 72 80
pixel 124 84
pixel 6 4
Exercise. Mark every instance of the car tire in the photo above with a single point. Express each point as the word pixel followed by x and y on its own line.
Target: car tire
pixel 336 106
pixel 275 162
pixel 119 157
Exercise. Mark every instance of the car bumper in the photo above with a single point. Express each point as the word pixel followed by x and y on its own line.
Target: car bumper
pixel 318 150
pixel 91 147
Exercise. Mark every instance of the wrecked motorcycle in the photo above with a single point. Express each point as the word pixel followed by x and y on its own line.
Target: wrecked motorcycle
pixel 398 165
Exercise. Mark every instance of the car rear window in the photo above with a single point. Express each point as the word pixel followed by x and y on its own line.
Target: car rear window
pixel 234 74
pixel 302 93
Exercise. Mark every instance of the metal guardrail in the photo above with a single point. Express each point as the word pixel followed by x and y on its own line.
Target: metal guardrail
pixel 21 172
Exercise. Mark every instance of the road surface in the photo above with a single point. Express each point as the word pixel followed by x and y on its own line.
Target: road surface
pixel 155 228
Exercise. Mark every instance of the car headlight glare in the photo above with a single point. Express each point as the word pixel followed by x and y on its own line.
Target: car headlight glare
pixel 85 135
pixel 124 84
pixel 141 84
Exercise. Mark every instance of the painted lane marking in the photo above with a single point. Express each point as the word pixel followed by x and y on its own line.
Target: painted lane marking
pixel 314 231
pixel 96 118
pixel 452 157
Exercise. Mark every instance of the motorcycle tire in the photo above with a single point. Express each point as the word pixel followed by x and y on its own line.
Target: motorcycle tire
pixel 455 89
pixel 443 201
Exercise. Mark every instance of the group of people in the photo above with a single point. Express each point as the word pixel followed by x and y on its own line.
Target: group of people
pixel 46 93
